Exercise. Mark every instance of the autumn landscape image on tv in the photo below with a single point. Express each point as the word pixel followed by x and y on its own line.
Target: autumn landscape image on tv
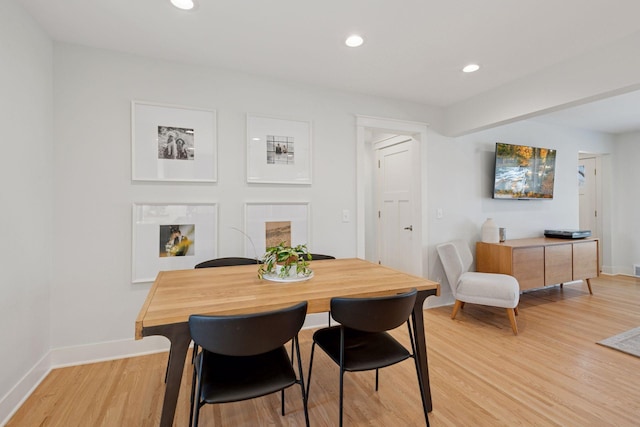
pixel 524 172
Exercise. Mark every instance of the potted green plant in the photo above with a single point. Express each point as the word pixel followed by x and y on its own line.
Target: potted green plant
pixel 281 260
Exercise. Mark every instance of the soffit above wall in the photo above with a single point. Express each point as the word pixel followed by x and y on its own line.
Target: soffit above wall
pixel 414 52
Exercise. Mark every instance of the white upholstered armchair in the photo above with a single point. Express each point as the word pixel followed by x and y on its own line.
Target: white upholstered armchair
pixel 496 290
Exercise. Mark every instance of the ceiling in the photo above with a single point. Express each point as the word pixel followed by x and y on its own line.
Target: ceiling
pixel 615 115
pixel 414 49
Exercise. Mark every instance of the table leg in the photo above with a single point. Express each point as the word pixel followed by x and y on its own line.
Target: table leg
pixel 178 335
pixel 421 349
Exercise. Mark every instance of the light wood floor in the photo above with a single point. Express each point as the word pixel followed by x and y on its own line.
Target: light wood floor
pixel 552 374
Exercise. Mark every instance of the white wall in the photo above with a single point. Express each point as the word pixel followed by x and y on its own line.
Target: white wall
pixel 93 299
pixel 461 182
pixel 626 217
pixel 27 201
pixel 94 193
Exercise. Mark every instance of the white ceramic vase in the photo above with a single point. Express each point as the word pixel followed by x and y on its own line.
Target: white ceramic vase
pixel 490 233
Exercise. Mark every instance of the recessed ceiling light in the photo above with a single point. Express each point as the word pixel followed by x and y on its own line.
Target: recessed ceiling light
pixel 183 4
pixel 471 68
pixel 354 40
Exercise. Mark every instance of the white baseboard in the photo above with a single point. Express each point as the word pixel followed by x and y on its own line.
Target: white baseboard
pixel 441 301
pixel 614 270
pixel 607 269
pixel 10 402
pixel 110 350
pixel 93 353
pixel 315 320
pixel 71 356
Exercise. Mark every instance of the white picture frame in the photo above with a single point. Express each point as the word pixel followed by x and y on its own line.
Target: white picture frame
pixel 259 216
pixel 154 224
pixel 278 150
pixel 173 143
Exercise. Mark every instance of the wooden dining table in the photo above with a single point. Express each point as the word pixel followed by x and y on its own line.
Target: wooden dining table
pixel 175 295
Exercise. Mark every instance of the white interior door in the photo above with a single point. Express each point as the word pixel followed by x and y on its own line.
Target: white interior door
pixel 398 229
pixel 588 195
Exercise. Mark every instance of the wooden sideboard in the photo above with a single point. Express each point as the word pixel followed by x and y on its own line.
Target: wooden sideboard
pixel 540 262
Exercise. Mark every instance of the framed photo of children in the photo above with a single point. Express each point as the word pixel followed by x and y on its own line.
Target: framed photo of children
pixel 269 224
pixel 172 237
pixel 278 150
pixel 173 143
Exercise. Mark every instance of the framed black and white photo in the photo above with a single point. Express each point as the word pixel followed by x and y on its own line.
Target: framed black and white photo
pixel 172 237
pixel 269 224
pixel 173 143
pixel 278 150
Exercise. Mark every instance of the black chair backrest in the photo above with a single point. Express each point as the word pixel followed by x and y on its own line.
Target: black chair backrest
pixel 374 314
pixel 225 262
pixel 247 334
pixel 320 256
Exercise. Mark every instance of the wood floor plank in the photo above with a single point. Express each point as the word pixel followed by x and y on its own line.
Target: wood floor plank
pixel 551 374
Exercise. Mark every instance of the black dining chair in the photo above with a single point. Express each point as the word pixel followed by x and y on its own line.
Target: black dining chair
pixel 361 342
pixel 318 257
pixel 243 357
pixel 212 263
pixel 224 262
pixel 227 261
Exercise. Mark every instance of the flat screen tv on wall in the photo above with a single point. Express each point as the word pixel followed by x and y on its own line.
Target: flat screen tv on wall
pixel 523 172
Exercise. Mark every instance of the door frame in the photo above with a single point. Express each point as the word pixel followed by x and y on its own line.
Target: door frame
pixel 599 205
pixel 413 258
pixel 366 234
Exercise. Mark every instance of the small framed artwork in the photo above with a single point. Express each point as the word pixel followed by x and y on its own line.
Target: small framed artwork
pixel 172 237
pixel 278 150
pixel 269 224
pixel 173 143
pixel 581 176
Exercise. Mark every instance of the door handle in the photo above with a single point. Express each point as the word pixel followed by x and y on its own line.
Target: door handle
pixel 410 228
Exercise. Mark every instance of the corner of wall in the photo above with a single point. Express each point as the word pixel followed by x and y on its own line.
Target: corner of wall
pixel 10 402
